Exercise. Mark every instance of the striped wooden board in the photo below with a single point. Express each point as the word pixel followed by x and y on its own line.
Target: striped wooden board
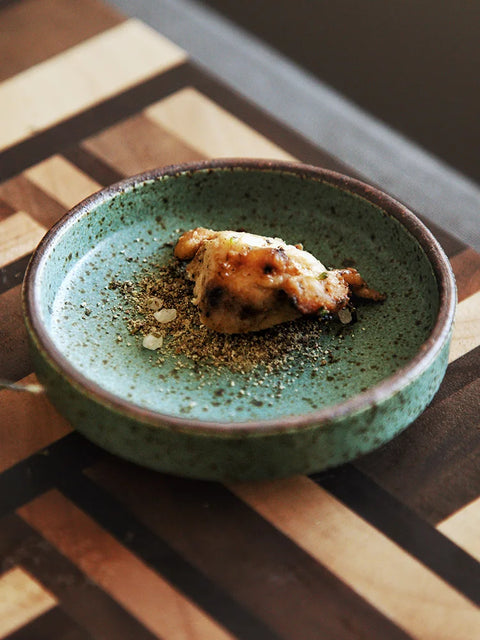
pixel 94 547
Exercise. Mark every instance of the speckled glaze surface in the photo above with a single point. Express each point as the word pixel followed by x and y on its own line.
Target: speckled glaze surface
pixel 209 422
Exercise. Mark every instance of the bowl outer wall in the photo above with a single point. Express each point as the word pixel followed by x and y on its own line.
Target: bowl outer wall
pixel 240 454
pixel 423 373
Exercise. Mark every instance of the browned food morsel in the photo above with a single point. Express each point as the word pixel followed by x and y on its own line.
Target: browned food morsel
pixel 246 282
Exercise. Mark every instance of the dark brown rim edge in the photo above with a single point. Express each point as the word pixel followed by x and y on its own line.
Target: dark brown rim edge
pixel 391 385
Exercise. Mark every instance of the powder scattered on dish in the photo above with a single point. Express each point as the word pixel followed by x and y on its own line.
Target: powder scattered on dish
pixel 281 301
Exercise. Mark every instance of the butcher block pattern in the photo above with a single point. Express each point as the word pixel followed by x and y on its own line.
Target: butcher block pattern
pixel 94 547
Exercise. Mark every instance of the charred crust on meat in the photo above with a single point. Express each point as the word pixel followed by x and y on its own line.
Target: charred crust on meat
pixel 213 296
pixel 247 312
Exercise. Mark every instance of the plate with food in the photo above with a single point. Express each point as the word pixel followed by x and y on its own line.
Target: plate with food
pixel 239 319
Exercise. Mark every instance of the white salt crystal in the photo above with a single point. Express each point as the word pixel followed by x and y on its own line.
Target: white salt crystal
pixel 152 342
pixel 165 315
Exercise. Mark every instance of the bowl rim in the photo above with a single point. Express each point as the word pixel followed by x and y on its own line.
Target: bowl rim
pixel 370 398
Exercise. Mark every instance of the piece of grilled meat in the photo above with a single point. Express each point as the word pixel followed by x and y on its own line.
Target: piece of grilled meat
pixel 246 282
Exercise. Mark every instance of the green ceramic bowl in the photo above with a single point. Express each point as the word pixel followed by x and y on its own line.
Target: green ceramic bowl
pixel 207 422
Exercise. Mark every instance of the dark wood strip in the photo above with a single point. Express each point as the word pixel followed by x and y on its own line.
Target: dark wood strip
pixel 15 361
pixel 466 266
pixel 46 28
pixel 405 527
pixel 137 144
pixel 158 554
pixel 11 275
pixel 460 373
pixel 433 466
pixel 64 135
pixel 11 541
pixel 236 549
pixel 6 210
pixel 55 624
pixel 23 195
pixel 36 474
pixel 93 166
pixel 7 3
pixel 89 607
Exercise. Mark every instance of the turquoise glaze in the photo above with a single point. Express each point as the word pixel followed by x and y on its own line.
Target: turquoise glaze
pixel 209 422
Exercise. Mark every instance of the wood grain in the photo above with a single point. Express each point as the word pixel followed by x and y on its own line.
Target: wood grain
pixel 55 623
pixel 433 465
pixel 6 209
pixel 124 552
pixel 417 600
pixel 62 181
pixel 19 235
pixel 15 362
pixel 21 411
pixel 264 124
pixel 12 274
pixel 99 170
pixel 21 600
pixel 23 195
pixel 72 130
pixel 161 556
pixel 81 76
pixel 463 527
pixel 49 27
pixel 210 129
pixel 129 581
pixel 403 526
pixel 246 556
pixel 466 334
pixel 466 266
pixel 87 605
pixel 138 144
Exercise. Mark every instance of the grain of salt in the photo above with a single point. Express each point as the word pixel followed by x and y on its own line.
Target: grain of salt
pixel 152 342
pixel 165 315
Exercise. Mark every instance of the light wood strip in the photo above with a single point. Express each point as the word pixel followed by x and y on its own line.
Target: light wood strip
pixel 21 600
pixel 61 180
pixel 33 420
pixel 142 592
pixel 19 235
pixel 463 527
pixel 466 333
pixel 386 576
pixel 72 81
pixel 210 129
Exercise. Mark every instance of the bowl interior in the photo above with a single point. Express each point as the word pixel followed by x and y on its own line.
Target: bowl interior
pixel 121 237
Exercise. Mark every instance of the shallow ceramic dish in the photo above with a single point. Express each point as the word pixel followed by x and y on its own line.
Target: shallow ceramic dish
pixel 212 423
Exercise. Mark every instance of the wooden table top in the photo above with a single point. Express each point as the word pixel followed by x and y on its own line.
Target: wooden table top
pixel 95 547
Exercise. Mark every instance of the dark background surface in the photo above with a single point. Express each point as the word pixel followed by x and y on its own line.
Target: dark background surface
pixel 415 64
